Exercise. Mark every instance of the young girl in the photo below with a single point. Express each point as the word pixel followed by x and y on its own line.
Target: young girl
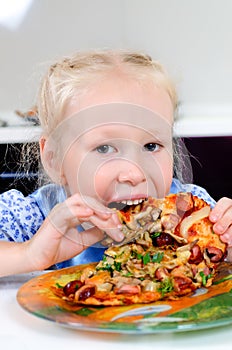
pixel 107 120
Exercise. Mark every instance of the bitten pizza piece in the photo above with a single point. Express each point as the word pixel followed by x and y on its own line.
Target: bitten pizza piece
pixel 171 251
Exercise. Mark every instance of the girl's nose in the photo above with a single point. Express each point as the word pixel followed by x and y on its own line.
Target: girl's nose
pixel 133 175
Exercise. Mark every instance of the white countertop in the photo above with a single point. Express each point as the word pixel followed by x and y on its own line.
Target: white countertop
pixel 197 127
pixel 23 331
pixel 19 134
pixel 19 131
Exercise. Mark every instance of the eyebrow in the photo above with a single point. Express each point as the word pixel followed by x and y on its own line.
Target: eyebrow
pixel 110 133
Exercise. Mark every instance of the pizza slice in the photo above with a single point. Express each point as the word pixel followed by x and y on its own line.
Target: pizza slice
pixel 169 251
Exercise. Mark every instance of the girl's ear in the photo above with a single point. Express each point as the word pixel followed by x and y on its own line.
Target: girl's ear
pixel 51 162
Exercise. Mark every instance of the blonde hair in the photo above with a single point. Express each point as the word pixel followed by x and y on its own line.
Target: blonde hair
pixel 72 75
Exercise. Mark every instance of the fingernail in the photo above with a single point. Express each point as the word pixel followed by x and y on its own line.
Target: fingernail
pixel 88 211
pixel 105 215
pixel 121 236
pixel 213 218
pixel 219 228
pixel 116 220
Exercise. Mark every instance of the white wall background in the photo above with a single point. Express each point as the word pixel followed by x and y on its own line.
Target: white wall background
pixel 192 38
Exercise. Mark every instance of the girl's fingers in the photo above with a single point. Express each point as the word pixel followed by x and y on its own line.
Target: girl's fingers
pixel 220 208
pixel 75 242
pixel 88 202
pixel 74 212
pixel 89 237
pixel 227 237
pixel 64 216
pixel 223 224
pixel 221 215
pixel 111 227
pixel 98 208
pixel 45 248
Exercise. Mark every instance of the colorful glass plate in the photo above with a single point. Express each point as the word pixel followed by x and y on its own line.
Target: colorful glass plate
pixel 207 308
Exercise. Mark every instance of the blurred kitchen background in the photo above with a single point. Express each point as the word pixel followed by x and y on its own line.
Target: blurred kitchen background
pixel 191 38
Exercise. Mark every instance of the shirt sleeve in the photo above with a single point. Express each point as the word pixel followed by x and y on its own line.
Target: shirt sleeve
pixel 20 217
pixel 48 196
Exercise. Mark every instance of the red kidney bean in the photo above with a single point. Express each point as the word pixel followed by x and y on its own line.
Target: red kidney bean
pixel 86 292
pixel 72 287
pixel 196 255
pixel 215 254
pixel 162 240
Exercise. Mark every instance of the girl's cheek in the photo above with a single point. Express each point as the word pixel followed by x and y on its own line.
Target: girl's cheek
pixel 103 179
pixel 163 174
pixel 168 172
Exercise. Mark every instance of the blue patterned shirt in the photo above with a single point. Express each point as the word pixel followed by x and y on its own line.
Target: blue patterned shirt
pixel 21 217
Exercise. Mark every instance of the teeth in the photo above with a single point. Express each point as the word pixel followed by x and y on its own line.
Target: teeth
pixel 132 202
pixel 121 204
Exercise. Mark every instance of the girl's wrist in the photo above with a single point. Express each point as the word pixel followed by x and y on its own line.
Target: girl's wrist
pixel 15 253
pixel 33 261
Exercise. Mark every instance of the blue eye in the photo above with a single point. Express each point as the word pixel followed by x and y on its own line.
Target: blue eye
pixel 105 149
pixel 151 147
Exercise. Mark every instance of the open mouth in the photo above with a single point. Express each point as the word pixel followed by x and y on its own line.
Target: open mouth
pixel 125 204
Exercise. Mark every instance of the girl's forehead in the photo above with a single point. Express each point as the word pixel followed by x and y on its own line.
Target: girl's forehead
pixel 122 89
pixel 115 118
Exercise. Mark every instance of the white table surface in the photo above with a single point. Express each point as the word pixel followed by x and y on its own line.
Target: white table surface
pixel 23 331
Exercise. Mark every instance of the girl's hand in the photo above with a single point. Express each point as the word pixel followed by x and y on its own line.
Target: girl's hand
pixel 221 216
pixel 58 240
